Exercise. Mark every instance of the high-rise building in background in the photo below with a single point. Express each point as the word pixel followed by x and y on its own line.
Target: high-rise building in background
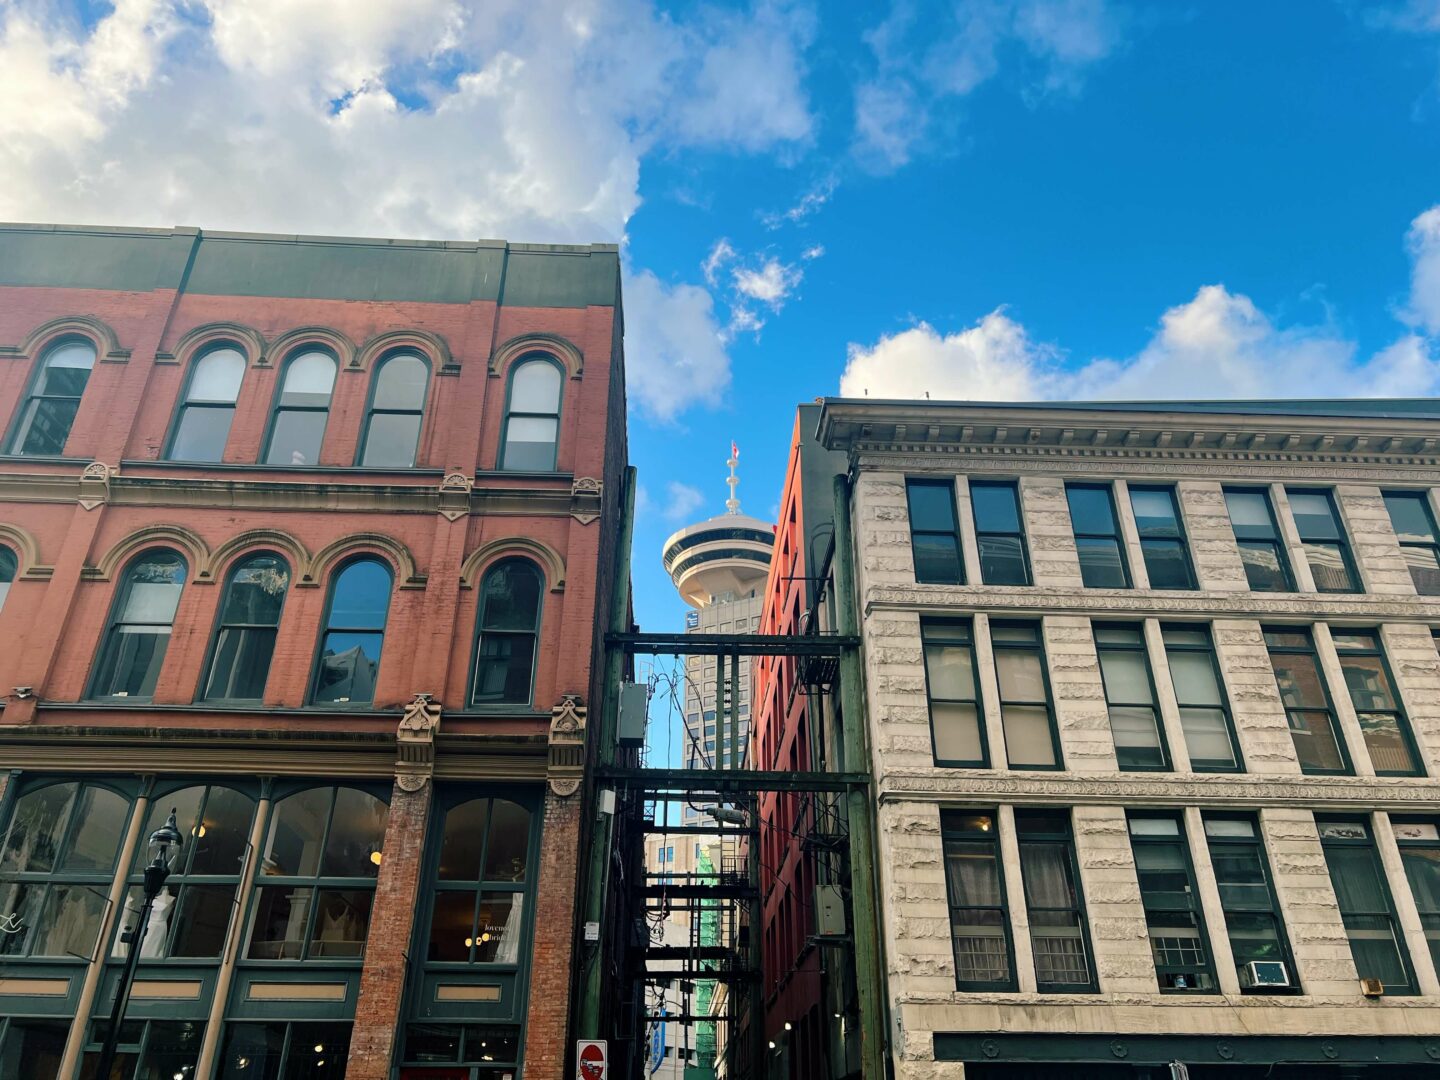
pixel 304 538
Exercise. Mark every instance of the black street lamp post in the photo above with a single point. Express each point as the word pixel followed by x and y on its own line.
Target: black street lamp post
pixel 161 841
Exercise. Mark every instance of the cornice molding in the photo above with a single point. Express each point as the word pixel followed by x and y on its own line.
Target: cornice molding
pixel 1140 603
pixel 1131 789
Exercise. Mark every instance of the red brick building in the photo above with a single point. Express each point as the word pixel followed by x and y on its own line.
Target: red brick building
pixel 811 1015
pixel 307 539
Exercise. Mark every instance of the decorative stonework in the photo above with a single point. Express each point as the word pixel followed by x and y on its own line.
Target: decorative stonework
pixel 455 496
pixel 551 345
pixel 248 340
pixel 95 484
pixel 567 746
pixel 1136 464
pixel 107 344
pixel 585 499
pixel 415 743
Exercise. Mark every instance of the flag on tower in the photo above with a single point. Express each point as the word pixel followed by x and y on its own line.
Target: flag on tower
pixel 734 450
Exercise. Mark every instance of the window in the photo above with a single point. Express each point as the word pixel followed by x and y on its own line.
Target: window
pixel 1178 941
pixel 1030 741
pixel 1382 720
pixel 999 534
pixel 397 405
pixel 32 1047
pixel 245 639
pixel 317 876
pixel 297 425
pixel 478 916
pixel 1419 842
pixel 57 866
pixel 956 728
pixel 509 628
pixel 1247 896
pixel 934 532
pixel 208 407
pixel 354 634
pixel 979 926
pixel 1326 549
pixel 494 1047
pixel 147 1050
pixel 281 1051
pixel 48 411
pixel 1054 903
pixel 1204 714
pixel 9 566
pixel 1266 567
pixel 1318 744
pixel 1162 538
pixel 1097 536
pixel 1366 907
pixel 532 417
pixel 139 630
pixel 191 916
pixel 1130 697
pixel 1415 529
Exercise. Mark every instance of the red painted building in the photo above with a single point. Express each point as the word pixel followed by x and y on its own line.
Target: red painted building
pixel 308 539
pixel 811 1017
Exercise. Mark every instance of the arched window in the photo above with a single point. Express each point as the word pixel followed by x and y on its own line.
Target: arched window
pixel 509 626
pixel 477 914
pixel 317 876
pixel 139 630
pixel 245 638
pixel 297 425
pixel 49 409
pixel 354 634
pixel 532 417
pixel 9 566
pixel 397 404
pixel 209 405
pixel 56 867
pixel 191 915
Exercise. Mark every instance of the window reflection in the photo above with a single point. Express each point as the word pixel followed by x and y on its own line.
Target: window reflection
pixel 478 909
pixel 139 631
pixel 354 634
pixel 297 426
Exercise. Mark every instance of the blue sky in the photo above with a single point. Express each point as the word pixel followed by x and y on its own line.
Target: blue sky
pixel 981 198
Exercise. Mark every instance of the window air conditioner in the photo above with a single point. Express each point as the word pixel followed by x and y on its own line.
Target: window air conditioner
pixel 1372 988
pixel 1264 973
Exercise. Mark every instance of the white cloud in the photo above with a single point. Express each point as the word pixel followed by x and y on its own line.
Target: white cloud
pixel 771 283
pixel 682 501
pixel 812 253
pixel 720 254
pixel 809 203
pixel 994 360
pixel 1423 242
pixel 674 351
pixel 923 63
pixel 523 119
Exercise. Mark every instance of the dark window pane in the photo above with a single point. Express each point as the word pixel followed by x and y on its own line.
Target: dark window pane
pixel 1137 737
pixel 1002 560
pixel 1389 749
pixel 432 1043
pixel 1090 510
pixel 1167 564
pixel 252 1052
pixel 296 833
pixel 9 567
pixel 220 837
pixel 511 596
pixel 342 920
pixel 937 559
pixel 1155 513
pixel 508 854
pixel 1410 517
pixel 932 506
pixel 171 1049
pixel 1329 568
pixel 1101 566
pixel 241 664
pixel 100 819
pixel 33 1048
pixel 47 426
pixel 317 1052
pixel 503 668
pixel 530 443
pixel 1264 569
pixel 37 829
pixel 357 834
pixel 22 904
pixel 996 508
pixel 202 433
pixel 1298 678
pixel 401 383
pixel 201 920
pixel 296 438
pixel 348 666
pixel 452 926
pixel 256 592
pixel 281 914
pixel 1424 564
pixel 391 439
pixel 464 838
pixel 1316 743
pixel 69 921
pixel 362 596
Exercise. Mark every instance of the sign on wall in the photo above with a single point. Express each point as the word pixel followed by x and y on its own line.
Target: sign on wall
pixel 591 1060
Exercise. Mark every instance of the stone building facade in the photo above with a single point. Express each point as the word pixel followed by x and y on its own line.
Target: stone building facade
pixel 305 538
pixel 1154 710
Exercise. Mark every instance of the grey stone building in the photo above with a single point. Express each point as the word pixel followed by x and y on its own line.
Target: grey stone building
pixel 1154 715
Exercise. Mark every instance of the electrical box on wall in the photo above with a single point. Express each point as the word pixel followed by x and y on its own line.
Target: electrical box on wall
pixel 634 699
pixel 829 912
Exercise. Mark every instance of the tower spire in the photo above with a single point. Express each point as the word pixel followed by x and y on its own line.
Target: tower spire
pixel 732 504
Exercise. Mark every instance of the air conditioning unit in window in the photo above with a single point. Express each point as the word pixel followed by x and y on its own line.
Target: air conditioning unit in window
pixel 1264 973
pixel 1372 988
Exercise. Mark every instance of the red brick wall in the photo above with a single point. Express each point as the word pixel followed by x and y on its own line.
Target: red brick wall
pixel 547 1016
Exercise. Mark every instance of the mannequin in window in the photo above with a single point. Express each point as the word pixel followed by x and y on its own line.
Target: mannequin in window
pixel 157 930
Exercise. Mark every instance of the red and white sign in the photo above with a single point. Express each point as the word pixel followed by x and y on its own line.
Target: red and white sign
pixel 592 1062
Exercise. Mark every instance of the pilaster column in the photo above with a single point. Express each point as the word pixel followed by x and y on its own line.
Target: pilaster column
pixel 397 892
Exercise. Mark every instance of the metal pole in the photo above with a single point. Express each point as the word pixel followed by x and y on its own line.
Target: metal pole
pixel 755 961
pixel 155 875
pixel 864 902
pixel 593 986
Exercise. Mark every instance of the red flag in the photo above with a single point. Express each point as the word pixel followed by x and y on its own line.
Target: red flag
pixel 734 450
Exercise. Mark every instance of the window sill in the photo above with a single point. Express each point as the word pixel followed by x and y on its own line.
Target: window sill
pixel 121 705
pixel 327 470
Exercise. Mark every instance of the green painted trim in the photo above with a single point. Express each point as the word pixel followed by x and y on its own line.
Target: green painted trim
pixel 1126 1049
